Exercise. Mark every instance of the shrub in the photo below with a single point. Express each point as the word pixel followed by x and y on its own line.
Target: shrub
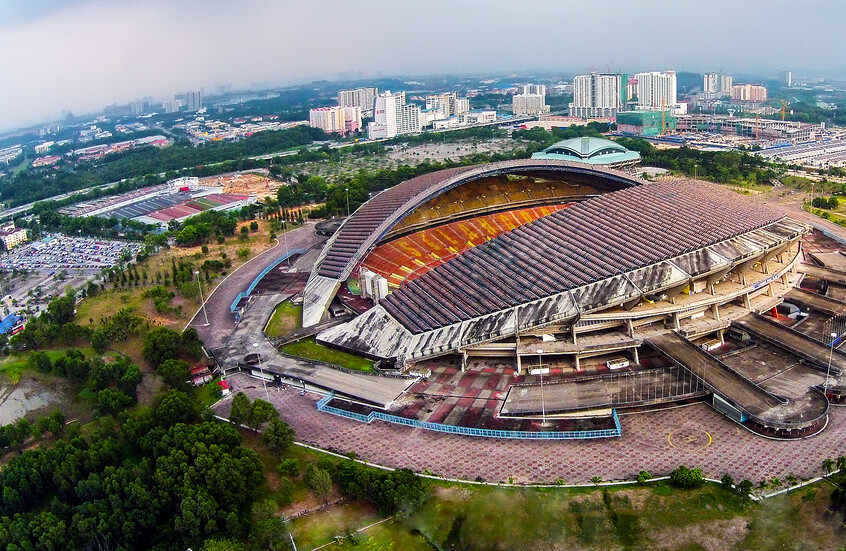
pixel 686 478
pixel 745 487
pixel 205 249
pixel 643 476
pixel 243 253
pixel 727 481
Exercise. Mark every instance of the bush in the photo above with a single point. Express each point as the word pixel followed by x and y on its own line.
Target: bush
pixel 687 478
pixel 253 226
pixel 289 467
pixel 727 481
pixel 205 249
pixel 643 476
pixel 745 487
pixel 243 253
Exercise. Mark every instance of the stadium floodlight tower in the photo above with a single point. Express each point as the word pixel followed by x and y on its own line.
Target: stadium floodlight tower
pixel 834 337
pixel 540 371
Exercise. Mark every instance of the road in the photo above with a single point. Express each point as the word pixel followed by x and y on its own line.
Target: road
pixel 221 319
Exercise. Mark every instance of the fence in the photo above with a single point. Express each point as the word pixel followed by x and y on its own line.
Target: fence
pixel 323 405
pixel 243 294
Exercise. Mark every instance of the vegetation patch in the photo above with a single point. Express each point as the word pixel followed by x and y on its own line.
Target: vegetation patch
pixel 310 349
pixel 286 318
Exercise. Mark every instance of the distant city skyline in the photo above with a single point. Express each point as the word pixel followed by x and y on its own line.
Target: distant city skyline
pixel 83 55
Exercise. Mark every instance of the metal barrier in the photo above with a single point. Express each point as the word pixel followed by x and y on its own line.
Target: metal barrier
pixel 243 294
pixel 322 405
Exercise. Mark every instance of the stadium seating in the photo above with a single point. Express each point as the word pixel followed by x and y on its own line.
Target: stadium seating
pixel 486 194
pixel 406 258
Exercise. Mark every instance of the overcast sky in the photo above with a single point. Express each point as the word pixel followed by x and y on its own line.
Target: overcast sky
pixel 82 55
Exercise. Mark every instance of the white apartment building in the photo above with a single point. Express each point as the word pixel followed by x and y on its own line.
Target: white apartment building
pixel 716 84
pixel 392 117
pixel 529 104
pixel 43 148
pixel 656 89
pixel 538 89
pixel 448 103
pixel 596 95
pixel 362 98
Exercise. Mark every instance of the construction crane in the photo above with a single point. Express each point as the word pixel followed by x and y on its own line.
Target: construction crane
pixel 757 124
pixel 782 110
pixel 663 115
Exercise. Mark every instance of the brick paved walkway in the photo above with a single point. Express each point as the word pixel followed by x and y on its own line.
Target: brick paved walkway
pixel 656 441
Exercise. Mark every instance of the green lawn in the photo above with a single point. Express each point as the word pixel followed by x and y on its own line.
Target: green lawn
pixel 309 348
pixel 286 318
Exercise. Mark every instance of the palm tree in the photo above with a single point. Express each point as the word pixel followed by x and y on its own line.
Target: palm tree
pixel 841 463
pixel 828 465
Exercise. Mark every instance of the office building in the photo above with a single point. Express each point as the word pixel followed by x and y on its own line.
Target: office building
pixel 362 98
pixel 749 92
pixel 655 89
pixel 596 95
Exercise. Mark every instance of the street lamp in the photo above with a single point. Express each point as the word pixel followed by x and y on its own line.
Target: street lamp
pixel 828 371
pixel 695 167
pixel 540 370
pixel 811 203
pixel 261 370
pixel 347 190
pixel 202 300
pixel 285 239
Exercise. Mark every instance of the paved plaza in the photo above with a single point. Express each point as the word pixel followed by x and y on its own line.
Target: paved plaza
pixel 656 441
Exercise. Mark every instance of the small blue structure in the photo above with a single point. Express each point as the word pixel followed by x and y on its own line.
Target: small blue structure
pixel 9 322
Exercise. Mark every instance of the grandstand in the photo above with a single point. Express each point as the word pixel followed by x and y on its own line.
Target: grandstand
pixel 583 265
pixel 408 257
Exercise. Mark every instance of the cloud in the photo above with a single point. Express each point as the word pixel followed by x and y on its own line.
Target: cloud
pixel 83 55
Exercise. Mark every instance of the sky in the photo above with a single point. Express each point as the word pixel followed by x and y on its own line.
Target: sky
pixel 81 55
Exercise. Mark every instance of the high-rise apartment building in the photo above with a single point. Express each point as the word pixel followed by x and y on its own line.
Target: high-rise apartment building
pixel 714 84
pixel 448 103
pixel 362 98
pixel 786 77
pixel 392 117
pixel 656 89
pixel 536 89
pixel 194 100
pixel 748 92
pixel 328 119
pixel 596 95
pixel 529 104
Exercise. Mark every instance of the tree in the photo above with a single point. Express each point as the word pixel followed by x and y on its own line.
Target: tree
pixel 278 437
pixel 240 409
pixel 175 374
pixel 727 482
pixel 253 226
pixel 828 465
pixel 745 487
pixel 99 340
pixel 41 361
pixel 176 407
pixel 259 413
pixel 320 482
pixel 160 344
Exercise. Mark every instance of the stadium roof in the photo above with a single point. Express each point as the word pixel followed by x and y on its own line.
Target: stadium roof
pixel 588 242
pixel 374 219
pixel 607 251
pixel 591 150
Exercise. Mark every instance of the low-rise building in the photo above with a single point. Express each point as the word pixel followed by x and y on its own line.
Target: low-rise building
pixel 12 236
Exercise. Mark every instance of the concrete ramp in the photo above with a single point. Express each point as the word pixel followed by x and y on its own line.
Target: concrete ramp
pixel 735 389
pixel 815 301
pixel 823 273
pixel 801 345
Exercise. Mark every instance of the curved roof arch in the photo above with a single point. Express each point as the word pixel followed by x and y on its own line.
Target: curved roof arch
pixel 374 219
pixel 588 149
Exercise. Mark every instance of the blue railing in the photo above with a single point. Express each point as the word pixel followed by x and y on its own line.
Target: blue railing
pixel 323 405
pixel 243 294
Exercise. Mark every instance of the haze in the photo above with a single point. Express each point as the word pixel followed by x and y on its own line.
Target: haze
pixel 83 55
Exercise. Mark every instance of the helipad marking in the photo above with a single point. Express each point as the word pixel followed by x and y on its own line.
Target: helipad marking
pixel 690 439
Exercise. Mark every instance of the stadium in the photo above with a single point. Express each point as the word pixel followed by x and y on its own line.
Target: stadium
pixel 623 292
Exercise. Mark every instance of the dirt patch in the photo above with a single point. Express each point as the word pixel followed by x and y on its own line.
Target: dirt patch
pixel 715 535
pixel 30 396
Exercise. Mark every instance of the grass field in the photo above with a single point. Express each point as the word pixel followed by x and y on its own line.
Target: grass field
pixel 286 318
pixel 13 366
pixel 652 516
pixel 309 348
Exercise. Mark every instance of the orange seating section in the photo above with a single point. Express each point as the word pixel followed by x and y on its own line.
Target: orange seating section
pixel 407 257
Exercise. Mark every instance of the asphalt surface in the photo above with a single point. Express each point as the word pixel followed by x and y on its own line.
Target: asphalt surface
pixel 221 319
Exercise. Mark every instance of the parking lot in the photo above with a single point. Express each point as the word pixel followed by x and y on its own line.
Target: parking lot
pixel 59 252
